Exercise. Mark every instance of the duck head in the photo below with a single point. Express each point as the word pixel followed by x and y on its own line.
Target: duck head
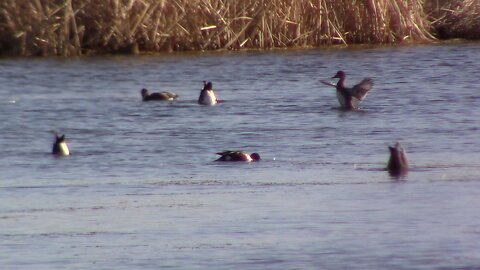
pixel 340 75
pixel 60 146
pixel 144 92
pixel 255 156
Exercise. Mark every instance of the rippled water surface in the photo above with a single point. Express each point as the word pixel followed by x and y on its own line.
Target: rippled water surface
pixel 142 190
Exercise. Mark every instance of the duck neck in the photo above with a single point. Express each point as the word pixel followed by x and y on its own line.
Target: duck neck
pixel 340 83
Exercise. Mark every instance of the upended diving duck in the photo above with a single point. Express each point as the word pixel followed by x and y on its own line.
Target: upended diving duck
pixel 237 156
pixel 207 95
pixel 164 95
pixel 397 163
pixel 60 147
pixel 345 94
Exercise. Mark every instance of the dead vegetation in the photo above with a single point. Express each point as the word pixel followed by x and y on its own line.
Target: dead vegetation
pixel 455 18
pixel 66 27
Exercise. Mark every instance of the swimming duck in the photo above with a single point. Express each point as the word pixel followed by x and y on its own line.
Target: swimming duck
pixel 207 95
pixel 237 156
pixel 60 146
pixel 397 164
pixel 345 94
pixel 158 95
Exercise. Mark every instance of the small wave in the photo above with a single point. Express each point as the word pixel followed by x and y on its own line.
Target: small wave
pixel 57 234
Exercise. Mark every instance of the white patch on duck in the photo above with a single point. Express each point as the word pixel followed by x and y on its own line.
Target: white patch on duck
pixel 171 98
pixel 60 146
pixel 207 95
pixel 63 149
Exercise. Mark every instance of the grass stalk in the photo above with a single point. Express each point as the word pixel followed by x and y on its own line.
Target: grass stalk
pixel 66 27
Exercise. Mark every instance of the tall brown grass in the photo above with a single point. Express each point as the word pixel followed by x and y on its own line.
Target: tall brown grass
pixel 455 18
pixel 74 27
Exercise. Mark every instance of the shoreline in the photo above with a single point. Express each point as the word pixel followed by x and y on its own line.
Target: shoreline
pixel 455 41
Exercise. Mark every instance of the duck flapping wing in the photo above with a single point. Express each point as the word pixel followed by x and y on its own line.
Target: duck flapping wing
pixel 359 91
pixel 328 83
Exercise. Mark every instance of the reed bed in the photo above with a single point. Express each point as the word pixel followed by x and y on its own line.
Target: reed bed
pixel 75 27
pixel 455 18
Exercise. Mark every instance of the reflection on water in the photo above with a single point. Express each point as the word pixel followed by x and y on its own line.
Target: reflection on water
pixel 141 189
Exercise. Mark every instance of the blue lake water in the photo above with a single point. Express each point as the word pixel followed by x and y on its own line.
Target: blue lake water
pixel 142 190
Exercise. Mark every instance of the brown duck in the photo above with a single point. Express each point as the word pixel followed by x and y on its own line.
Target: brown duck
pixel 345 94
pixel 397 163
pixel 146 96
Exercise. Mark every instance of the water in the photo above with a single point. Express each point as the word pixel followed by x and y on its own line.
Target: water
pixel 141 190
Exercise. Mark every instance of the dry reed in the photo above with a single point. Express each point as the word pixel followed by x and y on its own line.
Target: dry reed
pixel 455 18
pixel 74 27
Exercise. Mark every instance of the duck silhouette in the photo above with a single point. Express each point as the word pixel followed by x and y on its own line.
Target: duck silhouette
pixel 165 95
pixel 397 163
pixel 207 95
pixel 60 147
pixel 345 94
pixel 237 156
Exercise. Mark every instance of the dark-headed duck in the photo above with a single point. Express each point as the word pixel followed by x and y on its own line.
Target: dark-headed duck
pixel 60 146
pixel 397 164
pixel 237 156
pixel 345 94
pixel 157 95
pixel 207 95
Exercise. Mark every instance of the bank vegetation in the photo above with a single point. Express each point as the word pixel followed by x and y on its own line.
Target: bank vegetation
pixel 76 27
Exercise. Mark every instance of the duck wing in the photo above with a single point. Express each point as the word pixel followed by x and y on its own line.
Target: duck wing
pixel 328 83
pixel 359 91
pixel 169 95
pixel 156 96
pixel 231 156
pixel 225 153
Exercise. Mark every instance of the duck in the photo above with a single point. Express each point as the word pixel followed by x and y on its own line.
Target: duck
pixel 345 94
pixel 60 147
pixel 207 95
pixel 165 95
pixel 397 163
pixel 237 156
